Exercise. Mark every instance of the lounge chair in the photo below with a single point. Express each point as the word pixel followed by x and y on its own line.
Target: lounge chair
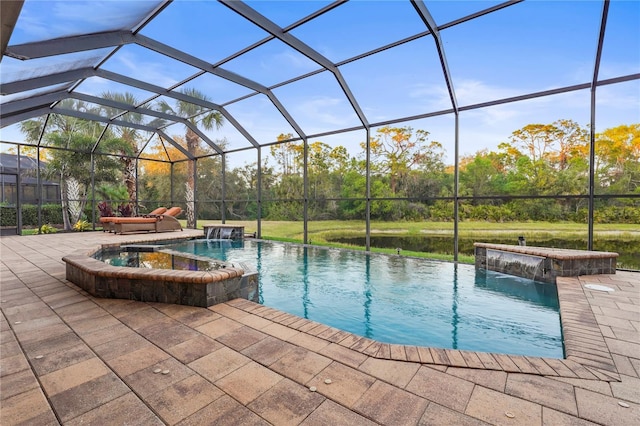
pixel 150 223
pixel 107 221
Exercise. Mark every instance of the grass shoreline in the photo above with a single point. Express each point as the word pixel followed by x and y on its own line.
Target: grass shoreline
pixel 322 232
pixel 295 229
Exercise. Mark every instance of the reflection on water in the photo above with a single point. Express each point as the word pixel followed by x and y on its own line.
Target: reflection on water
pixel 401 300
pixel 629 251
pixel 157 260
pixel 537 293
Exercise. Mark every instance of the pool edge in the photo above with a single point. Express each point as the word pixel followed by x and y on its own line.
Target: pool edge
pixel 586 353
pixel 183 287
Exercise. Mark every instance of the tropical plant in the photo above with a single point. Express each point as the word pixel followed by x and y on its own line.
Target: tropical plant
pixel 47 229
pixel 125 210
pixel 81 226
pixel 62 124
pixel 74 198
pixel 111 194
pixel 70 143
pixel 197 115
pixel 72 165
pixel 129 135
pixel 105 209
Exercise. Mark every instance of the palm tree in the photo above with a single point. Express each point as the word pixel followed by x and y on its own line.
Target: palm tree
pixel 62 124
pixel 129 135
pixel 195 114
pixel 69 159
pixel 72 165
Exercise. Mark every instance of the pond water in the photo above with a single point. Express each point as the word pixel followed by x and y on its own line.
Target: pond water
pixel 629 251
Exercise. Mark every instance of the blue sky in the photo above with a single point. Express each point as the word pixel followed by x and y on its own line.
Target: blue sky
pixel 529 47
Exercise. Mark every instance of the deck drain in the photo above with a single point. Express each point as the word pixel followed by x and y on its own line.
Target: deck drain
pixel 598 287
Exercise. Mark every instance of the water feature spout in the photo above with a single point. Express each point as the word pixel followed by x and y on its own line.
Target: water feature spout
pixel 222 232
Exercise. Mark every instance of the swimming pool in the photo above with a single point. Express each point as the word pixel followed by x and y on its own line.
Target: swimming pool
pixel 398 299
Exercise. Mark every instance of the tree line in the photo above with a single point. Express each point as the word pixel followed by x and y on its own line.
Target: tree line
pixel 540 173
pixel 409 179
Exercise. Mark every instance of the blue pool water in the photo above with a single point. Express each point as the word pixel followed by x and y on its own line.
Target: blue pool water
pixel 401 300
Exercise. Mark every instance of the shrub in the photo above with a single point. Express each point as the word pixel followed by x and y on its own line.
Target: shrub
pixel 30 215
pixel 105 209
pixel 48 229
pixel 81 226
pixel 8 216
pixel 126 210
pixel 51 213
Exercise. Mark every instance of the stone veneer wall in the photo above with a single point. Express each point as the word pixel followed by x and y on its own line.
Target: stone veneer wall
pixel 521 261
pixel 193 288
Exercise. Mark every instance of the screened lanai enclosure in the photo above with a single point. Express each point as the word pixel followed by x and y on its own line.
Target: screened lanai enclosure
pixel 306 112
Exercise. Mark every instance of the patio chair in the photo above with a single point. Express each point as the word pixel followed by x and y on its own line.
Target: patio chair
pixel 151 223
pixel 107 221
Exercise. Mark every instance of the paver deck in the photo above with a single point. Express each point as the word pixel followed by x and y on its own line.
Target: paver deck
pixel 69 358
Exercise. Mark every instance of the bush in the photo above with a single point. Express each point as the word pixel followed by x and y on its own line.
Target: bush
pixel 30 215
pixel 81 226
pixel 126 210
pixel 51 213
pixel 48 229
pixel 105 209
pixel 8 216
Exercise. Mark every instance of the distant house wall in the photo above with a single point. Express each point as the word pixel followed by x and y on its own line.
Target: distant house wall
pixel 28 182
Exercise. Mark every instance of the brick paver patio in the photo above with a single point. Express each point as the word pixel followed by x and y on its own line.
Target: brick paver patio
pixel 69 358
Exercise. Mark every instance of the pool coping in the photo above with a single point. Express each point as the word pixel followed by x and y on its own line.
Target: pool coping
pixel 586 354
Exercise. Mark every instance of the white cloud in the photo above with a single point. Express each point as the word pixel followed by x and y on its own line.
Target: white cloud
pixel 290 59
pixel 435 97
pixel 133 65
pixel 470 92
pixel 94 86
pixel 326 110
pixel 32 24
pixel 67 18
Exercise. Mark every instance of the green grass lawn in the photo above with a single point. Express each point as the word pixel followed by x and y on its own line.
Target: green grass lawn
pixel 294 230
